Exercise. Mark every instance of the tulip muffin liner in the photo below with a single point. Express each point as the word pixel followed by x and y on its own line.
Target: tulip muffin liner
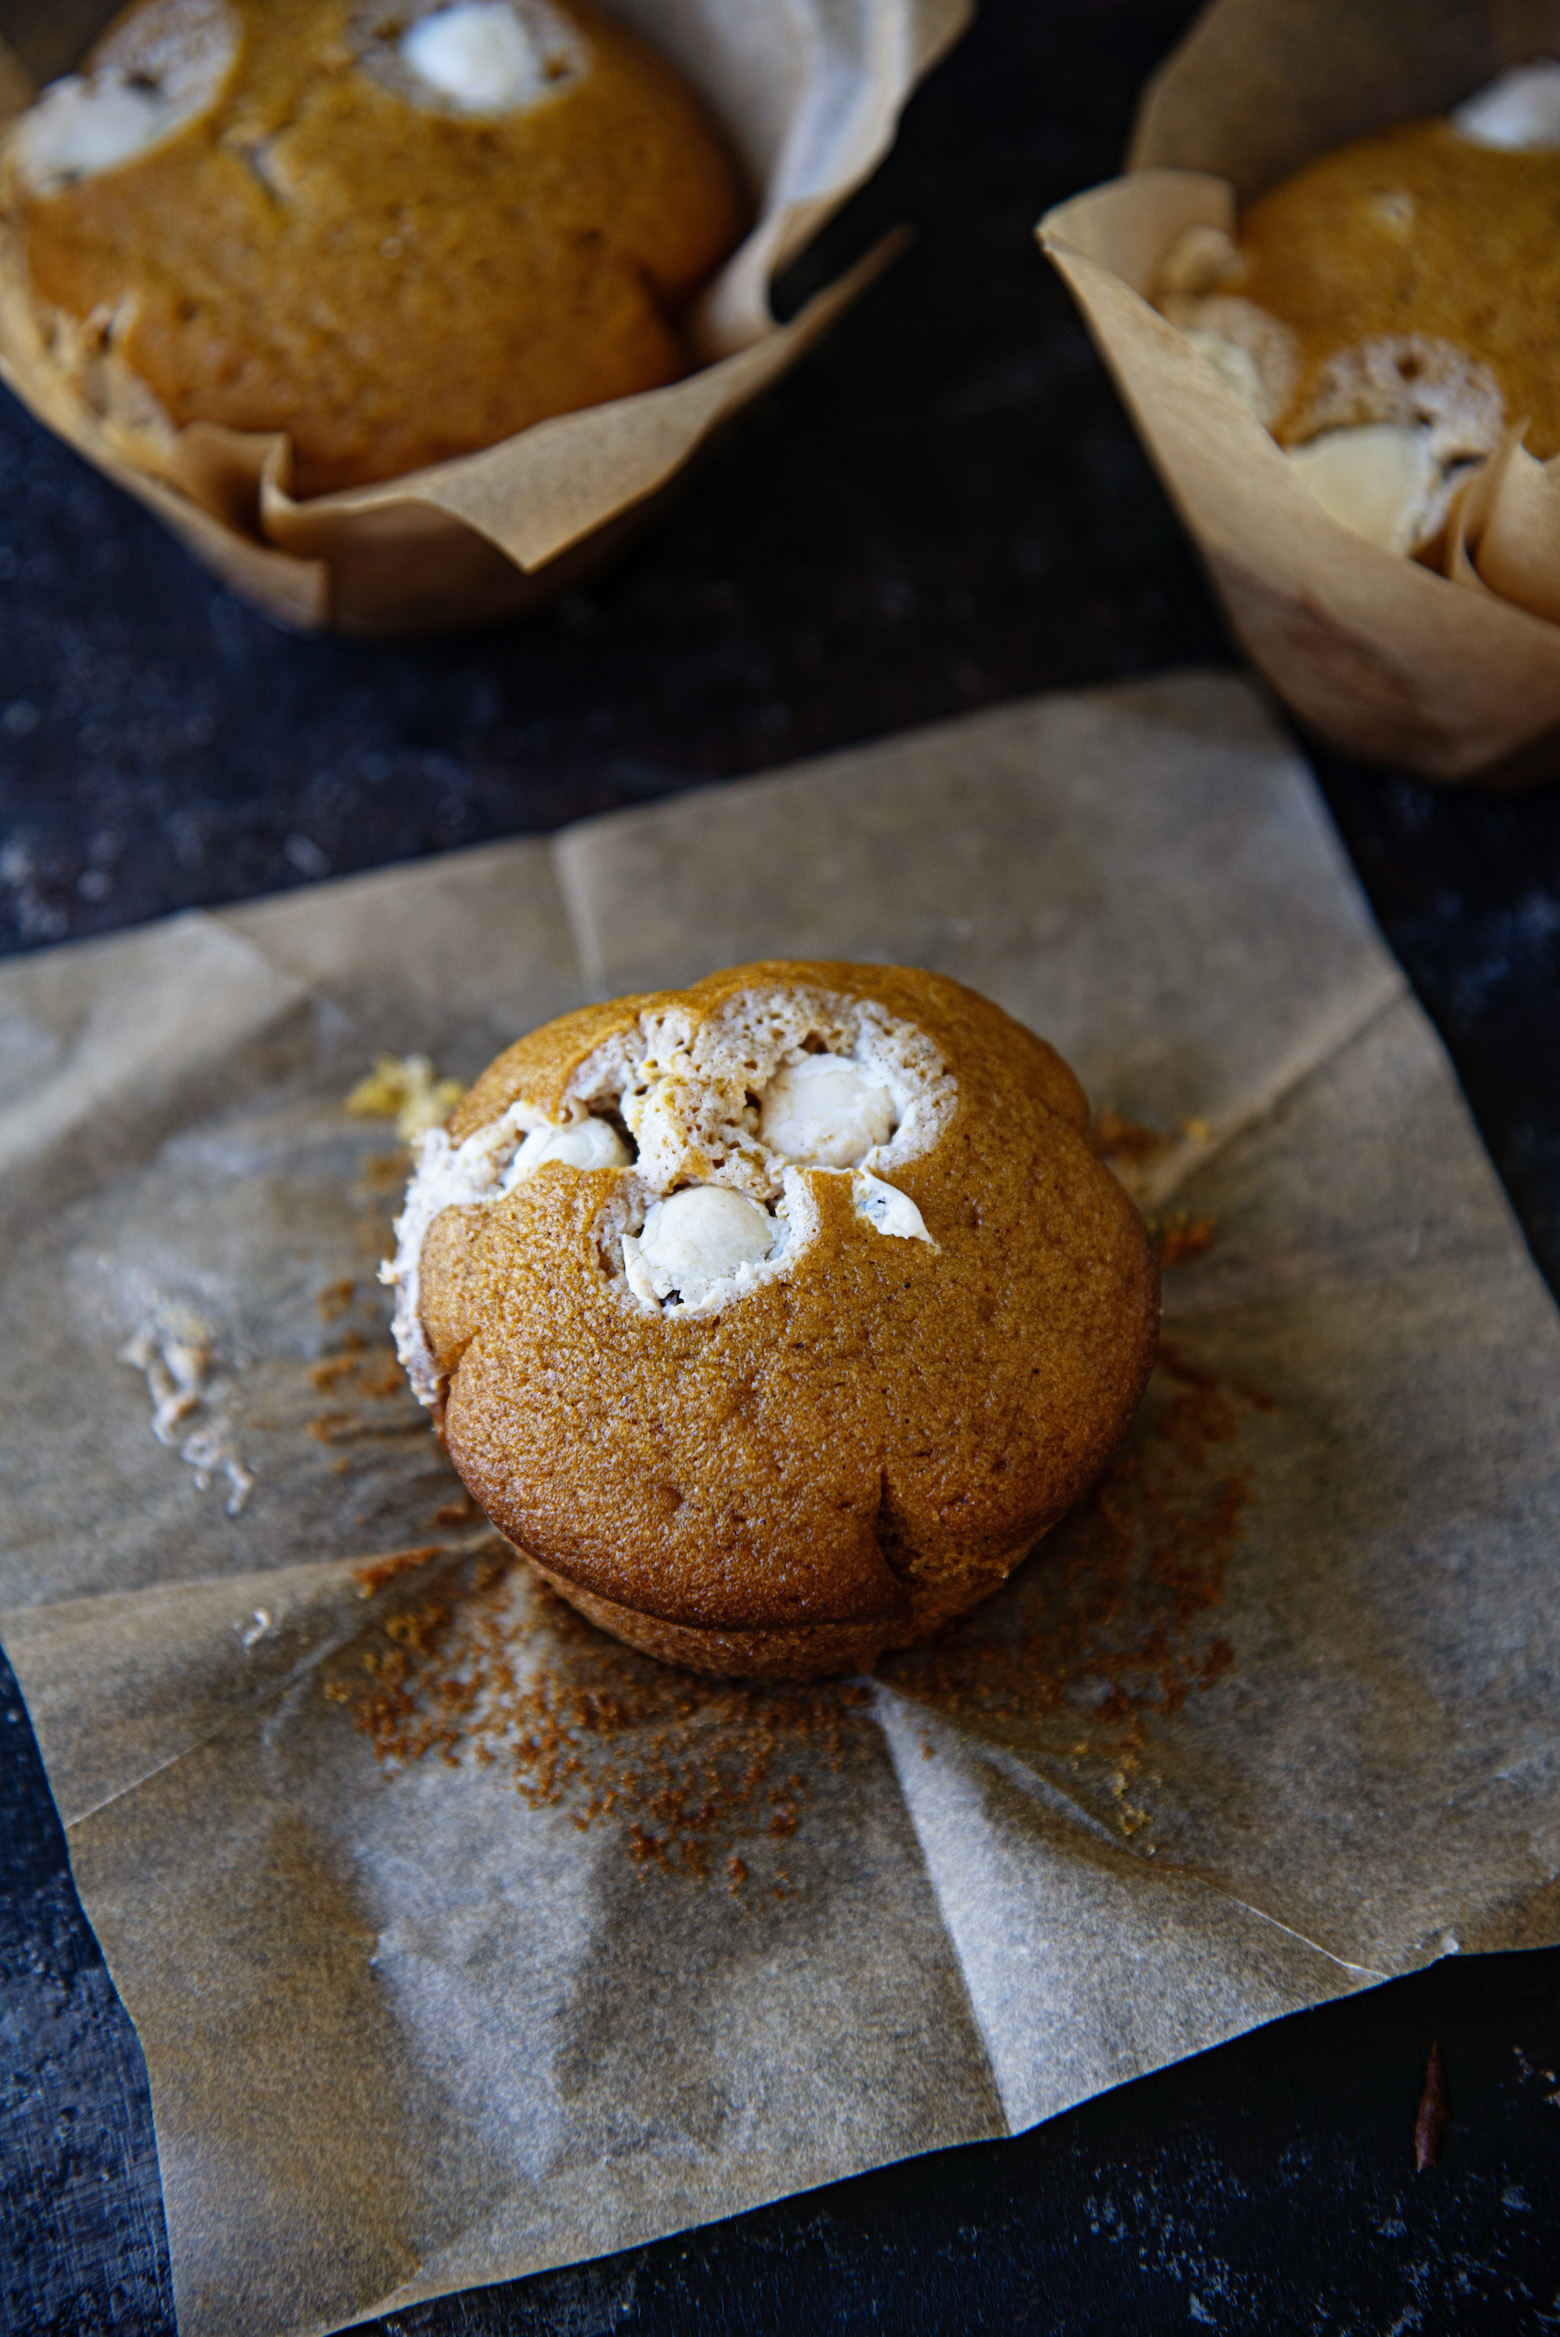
pixel 1454 674
pixel 810 95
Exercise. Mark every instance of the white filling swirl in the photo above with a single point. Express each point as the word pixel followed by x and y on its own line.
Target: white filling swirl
pixel 1518 110
pixel 727 1117
pixel 479 55
pixel 157 71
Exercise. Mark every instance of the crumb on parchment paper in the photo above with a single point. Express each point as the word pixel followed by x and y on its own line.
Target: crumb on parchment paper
pixel 374 1573
pixel 1109 1628
pixel 404 1088
pixel 1179 1238
pixel 1132 1149
pixel 1133 1142
pixel 482 1665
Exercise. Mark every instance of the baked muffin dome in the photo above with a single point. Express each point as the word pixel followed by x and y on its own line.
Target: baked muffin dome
pixel 1416 236
pixel 776 1318
pixel 1390 309
pixel 397 232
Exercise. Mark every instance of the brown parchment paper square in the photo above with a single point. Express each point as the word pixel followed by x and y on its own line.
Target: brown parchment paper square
pixel 1456 675
pixel 808 91
pixel 1270 1719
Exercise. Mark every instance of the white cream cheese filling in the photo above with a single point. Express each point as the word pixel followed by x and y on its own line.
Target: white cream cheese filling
pixel 694 1241
pixel 826 1111
pixel 471 57
pixel 1518 110
pixel 477 54
pixel 1379 479
pixel 155 74
pixel 85 125
pixel 885 1207
pixel 582 1144
pixel 725 1121
pixel 447 1176
pixel 1235 366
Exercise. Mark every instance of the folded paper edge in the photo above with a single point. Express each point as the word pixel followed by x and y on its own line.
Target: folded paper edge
pixel 735 310
pixel 693 409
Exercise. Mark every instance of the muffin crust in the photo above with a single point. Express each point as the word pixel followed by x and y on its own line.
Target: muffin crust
pixel 1418 234
pixel 859 1442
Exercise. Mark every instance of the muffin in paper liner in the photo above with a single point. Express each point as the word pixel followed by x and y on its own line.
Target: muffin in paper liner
pixel 1456 673
pixel 809 93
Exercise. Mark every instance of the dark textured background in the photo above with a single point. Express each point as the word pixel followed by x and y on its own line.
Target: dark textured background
pixel 943 509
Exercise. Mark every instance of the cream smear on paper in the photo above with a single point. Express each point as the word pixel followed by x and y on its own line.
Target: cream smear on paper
pixel 189 1413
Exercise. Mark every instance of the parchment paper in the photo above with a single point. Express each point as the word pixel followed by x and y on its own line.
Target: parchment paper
pixel 1454 675
pixel 1272 1718
pixel 809 92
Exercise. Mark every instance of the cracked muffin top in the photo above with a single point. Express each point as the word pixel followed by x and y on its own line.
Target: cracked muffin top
pixel 777 1318
pixel 397 232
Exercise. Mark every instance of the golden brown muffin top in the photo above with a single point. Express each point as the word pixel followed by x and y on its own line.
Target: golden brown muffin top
pixel 393 282
pixel 871 1431
pixel 1419 231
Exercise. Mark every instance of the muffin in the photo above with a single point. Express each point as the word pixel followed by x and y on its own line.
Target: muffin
pixel 776 1319
pixel 397 233
pixel 1391 310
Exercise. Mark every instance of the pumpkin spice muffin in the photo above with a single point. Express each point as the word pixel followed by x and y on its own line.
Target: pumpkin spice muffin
pixel 398 232
pixel 777 1318
pixel 1393 307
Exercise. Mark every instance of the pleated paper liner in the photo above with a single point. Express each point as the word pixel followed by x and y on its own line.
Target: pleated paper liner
pixel 1456 675
pixel 500 532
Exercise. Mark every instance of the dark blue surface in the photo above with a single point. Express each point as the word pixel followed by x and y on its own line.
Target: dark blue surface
pixel 943 509
pixel 78 2170
pixel 1269 2186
